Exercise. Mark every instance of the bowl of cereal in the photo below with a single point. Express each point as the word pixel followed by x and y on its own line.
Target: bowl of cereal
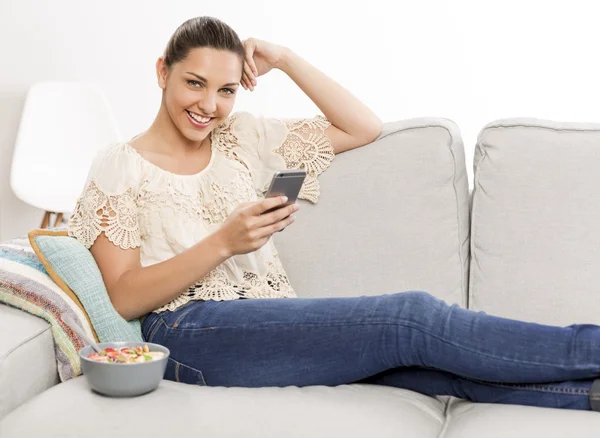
pixel 124 369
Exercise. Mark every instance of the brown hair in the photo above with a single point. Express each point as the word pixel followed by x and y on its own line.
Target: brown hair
pixel 202 32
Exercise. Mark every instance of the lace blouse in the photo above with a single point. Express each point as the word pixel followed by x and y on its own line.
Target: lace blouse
pixel 138 204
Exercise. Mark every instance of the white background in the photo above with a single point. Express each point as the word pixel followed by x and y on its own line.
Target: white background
pixel 470 61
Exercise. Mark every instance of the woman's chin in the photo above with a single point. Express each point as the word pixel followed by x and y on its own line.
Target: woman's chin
pixel 195 136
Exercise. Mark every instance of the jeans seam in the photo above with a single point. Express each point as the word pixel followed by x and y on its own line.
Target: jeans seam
pixel 150 325
pixel 155 328
pixel 197 329
pixel 425 331
pixel 537 387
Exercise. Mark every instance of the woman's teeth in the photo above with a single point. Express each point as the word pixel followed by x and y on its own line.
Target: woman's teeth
pixel 198 118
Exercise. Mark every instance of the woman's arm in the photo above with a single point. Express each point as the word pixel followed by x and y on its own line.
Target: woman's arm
pixel 353 123
pixel 135 290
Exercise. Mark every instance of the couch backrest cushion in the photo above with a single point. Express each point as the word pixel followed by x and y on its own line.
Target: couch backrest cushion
pixel 392 216
pixel 535 237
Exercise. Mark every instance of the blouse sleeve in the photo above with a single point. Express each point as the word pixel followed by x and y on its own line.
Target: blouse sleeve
pixel 108 201
pixel 267 145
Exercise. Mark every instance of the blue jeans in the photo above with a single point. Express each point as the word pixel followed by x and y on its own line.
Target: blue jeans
pixel 408 340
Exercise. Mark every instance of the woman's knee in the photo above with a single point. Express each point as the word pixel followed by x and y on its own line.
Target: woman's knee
pixel 415 304
pixel 418 298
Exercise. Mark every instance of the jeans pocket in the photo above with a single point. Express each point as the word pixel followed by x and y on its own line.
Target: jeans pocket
pixel 182 373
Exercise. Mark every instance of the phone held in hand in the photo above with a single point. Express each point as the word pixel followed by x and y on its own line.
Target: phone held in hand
pixel 286 183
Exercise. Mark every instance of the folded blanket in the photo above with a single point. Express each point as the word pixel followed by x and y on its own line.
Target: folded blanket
pixel 25 284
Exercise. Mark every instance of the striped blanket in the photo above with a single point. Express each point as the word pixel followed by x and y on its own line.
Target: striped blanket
pixel 25 284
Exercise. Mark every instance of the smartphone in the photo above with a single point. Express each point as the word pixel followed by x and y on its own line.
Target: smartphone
pixel 286 183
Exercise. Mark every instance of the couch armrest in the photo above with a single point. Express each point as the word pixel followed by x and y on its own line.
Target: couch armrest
pixel 27 360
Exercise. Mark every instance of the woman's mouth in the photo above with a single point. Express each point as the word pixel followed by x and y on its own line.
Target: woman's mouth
pixel 197 120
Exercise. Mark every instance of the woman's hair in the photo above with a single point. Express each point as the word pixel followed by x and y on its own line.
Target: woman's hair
pixel 202 32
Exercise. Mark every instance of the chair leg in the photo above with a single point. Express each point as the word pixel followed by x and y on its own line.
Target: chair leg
pixel 59 220
pixel 46 220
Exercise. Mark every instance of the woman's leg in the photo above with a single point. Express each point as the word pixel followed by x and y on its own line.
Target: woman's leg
pixel 279 342
pixel 563 395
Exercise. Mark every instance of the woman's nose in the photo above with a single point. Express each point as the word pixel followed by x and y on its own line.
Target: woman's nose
pixel 208 105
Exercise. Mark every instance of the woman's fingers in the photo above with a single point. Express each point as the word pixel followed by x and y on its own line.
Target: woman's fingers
pixel 252 65
pixel 249 74
pixel 273 217
pixel 248 71
pixel 267 204
pixel 276 227
pixel 249 48
pixel 247 83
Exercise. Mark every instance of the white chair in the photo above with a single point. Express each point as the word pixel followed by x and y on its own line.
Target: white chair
pixel 62 127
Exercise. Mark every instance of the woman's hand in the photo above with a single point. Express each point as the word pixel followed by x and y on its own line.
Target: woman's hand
pixel 247 229
pixel 261 57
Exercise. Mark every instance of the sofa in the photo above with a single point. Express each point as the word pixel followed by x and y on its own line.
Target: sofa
pixel 393 216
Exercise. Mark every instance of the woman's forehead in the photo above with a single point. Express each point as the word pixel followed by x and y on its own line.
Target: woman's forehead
pixel 212 64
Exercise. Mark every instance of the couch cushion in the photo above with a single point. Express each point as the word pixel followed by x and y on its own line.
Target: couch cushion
pixel 177 409
pixel 479 420
pixel 535 237
pixel 73 268
pixel 27 362
pixel 392 216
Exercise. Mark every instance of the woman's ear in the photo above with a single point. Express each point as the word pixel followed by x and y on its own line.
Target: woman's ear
pixel 161 72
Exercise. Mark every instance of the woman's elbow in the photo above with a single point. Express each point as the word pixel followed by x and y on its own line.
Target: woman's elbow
pixel 122 305
pixel 372 132
pixel 375 130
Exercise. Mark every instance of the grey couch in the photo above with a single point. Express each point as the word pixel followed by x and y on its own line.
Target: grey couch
pixel 393 216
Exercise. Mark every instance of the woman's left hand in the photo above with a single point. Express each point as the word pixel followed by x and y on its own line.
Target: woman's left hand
pixel 261 57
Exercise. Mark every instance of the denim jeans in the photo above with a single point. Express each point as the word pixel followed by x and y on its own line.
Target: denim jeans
pixel 408 340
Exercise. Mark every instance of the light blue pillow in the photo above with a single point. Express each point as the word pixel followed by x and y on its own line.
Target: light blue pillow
pixel 76 266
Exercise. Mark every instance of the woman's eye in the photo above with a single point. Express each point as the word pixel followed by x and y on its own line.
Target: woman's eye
pixel 229 90
pixel 194 83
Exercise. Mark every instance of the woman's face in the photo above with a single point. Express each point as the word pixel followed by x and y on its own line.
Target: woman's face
pixel 200 90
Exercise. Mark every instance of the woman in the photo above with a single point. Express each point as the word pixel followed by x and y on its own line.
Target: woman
pixel 174 220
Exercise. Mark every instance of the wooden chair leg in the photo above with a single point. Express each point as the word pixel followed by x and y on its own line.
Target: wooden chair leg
pixel 46 220
pixel 59 220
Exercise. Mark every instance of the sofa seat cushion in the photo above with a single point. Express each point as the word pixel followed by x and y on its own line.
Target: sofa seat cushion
pixel 480 420
pixel 27 362
pixel 71 409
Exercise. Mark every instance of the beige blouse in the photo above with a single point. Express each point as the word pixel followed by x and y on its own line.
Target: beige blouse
pixel 138 204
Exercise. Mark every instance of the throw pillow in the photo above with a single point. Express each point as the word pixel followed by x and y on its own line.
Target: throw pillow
pixel 73 268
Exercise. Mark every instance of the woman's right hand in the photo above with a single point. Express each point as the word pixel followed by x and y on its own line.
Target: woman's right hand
pixel 247 229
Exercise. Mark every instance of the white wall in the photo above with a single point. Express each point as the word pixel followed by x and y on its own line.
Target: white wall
pixel 470 61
